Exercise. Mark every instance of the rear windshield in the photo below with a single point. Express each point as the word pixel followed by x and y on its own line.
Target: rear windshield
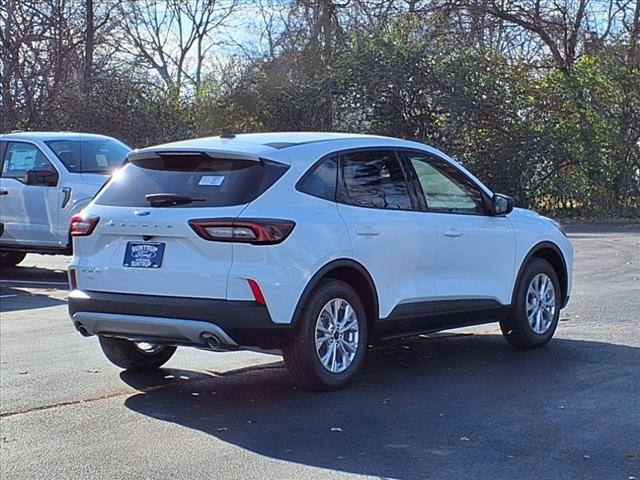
pixel 89 156
pixel 210 182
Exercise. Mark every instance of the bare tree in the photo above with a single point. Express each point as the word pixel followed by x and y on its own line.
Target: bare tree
pixel 174 37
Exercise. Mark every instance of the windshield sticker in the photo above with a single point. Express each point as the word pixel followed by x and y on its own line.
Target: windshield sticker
pixel 211 180
pixel 101 160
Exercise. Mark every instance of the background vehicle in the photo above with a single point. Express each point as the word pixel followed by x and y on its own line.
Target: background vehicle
pixel 315 244
pixel 46 178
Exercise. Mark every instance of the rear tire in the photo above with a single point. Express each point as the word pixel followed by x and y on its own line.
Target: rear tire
pixel 11 259
pixel 535 314
pixel 128 355
pixel 330 339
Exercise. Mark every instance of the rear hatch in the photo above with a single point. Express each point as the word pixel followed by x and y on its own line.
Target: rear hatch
pixel 143 243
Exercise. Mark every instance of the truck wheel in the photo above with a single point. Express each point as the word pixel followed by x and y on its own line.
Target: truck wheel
pixel 11 259
pixel 536 307
pixel 330 341
pixel 138 356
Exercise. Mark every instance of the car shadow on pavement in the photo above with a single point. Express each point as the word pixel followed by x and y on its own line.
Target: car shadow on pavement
pixel 15 299
pixel 34 274
pixel 449 407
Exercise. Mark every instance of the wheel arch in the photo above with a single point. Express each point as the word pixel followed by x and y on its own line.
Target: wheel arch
pixel 551 253
pixel 351 272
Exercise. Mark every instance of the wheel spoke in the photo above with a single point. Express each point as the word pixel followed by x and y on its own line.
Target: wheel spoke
pixel 320 341
pixel 334 352
pixel 321 328
pixel 335 312
pixel 327 356
pixel 345 316
pixel 346 357
pixel 350 346
pixel 352 325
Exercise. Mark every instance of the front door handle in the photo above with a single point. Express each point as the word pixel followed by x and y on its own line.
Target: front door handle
pixel 4 192
pixel 454 232
pixel 368 232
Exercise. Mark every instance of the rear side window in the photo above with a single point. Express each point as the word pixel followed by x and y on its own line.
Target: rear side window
pixel 373 179
pixel 321 180
pixel 89 156
pixel 209 182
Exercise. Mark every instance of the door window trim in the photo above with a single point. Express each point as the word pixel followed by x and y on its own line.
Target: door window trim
pixel 4 152
pixel 414 201
pixel 404 152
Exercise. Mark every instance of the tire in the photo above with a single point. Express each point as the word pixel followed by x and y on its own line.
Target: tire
pixel 128 355
pixel 301 356
pixel 11 259
pixel 518 329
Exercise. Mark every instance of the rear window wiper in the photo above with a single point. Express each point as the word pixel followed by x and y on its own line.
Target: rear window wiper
pixel 169 199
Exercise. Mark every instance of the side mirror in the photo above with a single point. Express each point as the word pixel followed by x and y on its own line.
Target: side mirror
pixel 501 204
pixel 44 178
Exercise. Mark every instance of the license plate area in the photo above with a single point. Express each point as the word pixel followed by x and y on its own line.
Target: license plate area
pixel 143 255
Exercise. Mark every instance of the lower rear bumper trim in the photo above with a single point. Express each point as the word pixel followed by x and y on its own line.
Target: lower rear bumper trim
pixel 177 320
pixel 138 327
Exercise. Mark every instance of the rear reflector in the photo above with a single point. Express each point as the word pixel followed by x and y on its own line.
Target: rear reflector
pixel 255 231
pixel 257 293
pixel 83 225
pixel 73 282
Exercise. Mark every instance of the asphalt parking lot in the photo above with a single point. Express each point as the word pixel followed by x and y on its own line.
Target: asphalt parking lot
pixel 458 405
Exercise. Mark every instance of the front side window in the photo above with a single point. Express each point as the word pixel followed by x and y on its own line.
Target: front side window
pixel 445 188
pixel 373 179
pixel 89 156
pixel 21 158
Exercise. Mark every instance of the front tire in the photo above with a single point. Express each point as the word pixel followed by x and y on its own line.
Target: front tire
pixel 135 356
pixel 536 307
pixel 11 259
pixel 330 341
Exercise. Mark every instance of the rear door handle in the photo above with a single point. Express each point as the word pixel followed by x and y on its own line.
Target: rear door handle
pixel 454 232
pixel 368 232
pixel 4 192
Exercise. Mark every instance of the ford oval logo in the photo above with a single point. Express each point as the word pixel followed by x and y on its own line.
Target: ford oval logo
pixel 144 251
pixel 142 213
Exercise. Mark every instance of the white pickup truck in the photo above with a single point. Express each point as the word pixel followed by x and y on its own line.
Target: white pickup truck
pixel 47 177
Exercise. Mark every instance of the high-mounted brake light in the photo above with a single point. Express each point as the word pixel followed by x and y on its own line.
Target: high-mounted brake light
pixel 255 231
pixel 83 225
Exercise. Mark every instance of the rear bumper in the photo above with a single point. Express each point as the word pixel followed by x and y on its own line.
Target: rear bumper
pixel 176 320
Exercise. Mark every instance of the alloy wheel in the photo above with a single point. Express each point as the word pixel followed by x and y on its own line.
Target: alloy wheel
pixel 336 335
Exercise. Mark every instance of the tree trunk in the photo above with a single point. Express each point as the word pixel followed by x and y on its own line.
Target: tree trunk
pixel 9 66
pixel 89 42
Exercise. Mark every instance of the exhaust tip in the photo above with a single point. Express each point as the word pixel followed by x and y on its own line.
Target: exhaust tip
pixel 81 328
pixel 212 340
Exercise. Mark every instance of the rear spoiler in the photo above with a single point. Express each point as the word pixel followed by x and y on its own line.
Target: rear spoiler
pixel 178 152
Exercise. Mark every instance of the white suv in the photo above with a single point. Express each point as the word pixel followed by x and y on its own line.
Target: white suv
pixel 315 244
pixel 47 177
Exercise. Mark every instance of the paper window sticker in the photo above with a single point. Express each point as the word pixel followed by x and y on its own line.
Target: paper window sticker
pixel 211 180
pixel 101 160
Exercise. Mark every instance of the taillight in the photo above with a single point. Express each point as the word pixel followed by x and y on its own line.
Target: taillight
pixel 254 231
pixel 83 225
